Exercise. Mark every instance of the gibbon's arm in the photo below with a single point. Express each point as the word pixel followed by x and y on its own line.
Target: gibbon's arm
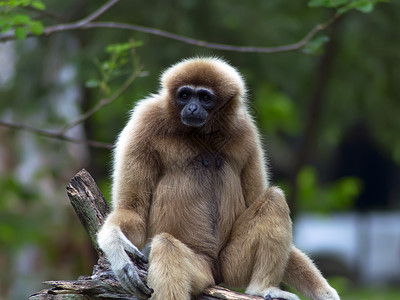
pixel 254 176
pixel 124 231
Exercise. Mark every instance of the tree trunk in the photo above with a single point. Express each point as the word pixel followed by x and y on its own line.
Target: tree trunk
pixel 92 208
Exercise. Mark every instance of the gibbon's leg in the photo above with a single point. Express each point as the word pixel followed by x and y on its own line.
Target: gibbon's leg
pixel 257 251
pixel 175 271
pixel 302 274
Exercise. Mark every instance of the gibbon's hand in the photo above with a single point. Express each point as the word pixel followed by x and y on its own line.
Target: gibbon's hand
pixel 125 260
pixel 127 272
pixel 129 279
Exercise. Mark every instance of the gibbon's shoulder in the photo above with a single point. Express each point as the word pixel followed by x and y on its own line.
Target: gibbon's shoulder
pixel 148 110
pixel 145 118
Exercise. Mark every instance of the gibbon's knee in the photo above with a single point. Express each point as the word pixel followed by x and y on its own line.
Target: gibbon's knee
pixel 277 202
pixel 175 271
pixel 258 248
pixel 269 215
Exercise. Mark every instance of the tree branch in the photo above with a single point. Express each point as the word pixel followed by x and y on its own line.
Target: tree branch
pixel 217 46
pixel 62 133
pixel 97 13
pixel 87 23
pixel 54 134
pixel 102 102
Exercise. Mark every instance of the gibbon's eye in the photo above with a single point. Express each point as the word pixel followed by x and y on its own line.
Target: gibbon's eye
pixel 205 98
pixel 184 94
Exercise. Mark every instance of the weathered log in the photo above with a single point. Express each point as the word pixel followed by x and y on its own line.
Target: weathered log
pixel 89 204
pixel 92 208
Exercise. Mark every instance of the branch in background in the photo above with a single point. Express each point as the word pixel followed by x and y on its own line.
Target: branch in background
pixel 102 102
pixel 97 13
pixel 87 23
pixel 54 134
pixel 62 133
pixel 216 46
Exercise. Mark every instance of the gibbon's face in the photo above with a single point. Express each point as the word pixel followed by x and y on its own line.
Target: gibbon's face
pixel 195 103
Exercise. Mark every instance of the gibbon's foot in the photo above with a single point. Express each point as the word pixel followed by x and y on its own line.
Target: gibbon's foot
pixel 328 294
pixel 274 293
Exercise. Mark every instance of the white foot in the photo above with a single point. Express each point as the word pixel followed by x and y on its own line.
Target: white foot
pixel 327 294
pixel 274 293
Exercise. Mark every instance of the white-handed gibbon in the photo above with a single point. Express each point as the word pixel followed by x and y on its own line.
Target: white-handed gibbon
pixel 190 179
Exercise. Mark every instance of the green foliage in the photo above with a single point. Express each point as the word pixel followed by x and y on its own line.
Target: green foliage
pixel 23 3
pixel 343 6
pixel 276 111
pixel 11 19
pixel 348 291
pixel 338 195
pixel 17 204
pixel 121 60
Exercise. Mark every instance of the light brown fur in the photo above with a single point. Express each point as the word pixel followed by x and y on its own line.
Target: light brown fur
pixel 201 195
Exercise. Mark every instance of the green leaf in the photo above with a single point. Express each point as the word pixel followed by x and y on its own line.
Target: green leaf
pixel 38 5
pixel 316 3
pixel 20 33
pixel 327 3
pixel 276 110
pixel 36 27
pixel 123 47
pixel 92 83
pixel 344 6
pixel 118 48
pixel 365 7
pixel 20 19
pixel 307 184
pixel 5 28
pixel 137 43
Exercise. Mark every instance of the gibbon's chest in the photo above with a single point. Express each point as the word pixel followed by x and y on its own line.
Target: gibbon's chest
pixel 198 197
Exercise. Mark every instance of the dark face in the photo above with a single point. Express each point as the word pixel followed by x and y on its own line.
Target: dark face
pixel 195 103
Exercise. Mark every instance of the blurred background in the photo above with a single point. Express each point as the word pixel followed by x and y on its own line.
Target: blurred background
pixel 328 114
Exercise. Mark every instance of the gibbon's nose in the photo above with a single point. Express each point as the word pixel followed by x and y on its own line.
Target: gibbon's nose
pixel 192 108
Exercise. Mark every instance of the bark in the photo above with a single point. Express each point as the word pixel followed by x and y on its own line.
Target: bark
pixel 92 208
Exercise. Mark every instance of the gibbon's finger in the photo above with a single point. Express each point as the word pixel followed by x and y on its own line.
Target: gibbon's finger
pixel 137 255
pixel 135 252
pixel 125 281
pixel 132 282
pixel 137 261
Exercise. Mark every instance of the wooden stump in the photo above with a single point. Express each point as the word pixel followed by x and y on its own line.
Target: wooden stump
pixel 92 208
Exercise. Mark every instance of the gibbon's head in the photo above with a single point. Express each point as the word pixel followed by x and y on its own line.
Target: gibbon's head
pixel 199 86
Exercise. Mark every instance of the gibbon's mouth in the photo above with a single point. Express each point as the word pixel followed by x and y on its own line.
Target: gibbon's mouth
pixel 194 122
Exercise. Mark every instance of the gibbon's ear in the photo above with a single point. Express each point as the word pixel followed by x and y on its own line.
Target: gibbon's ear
pixel 213 73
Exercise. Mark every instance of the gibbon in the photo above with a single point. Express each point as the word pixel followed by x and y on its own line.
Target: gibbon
pixel 190 179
